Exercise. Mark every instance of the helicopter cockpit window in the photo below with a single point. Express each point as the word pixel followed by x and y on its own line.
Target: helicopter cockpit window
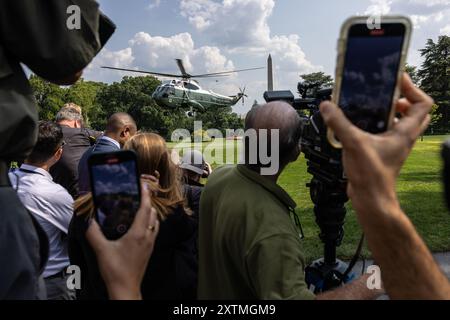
pixel 190 86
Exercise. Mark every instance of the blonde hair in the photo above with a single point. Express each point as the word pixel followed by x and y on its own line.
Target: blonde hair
pixel 152 155
pixel 72 106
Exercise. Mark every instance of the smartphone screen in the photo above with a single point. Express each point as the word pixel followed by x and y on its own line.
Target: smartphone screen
pixel 369 77
pixel 116 191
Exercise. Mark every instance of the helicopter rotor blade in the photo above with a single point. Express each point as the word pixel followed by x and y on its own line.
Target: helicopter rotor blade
pixel 146 72
pixel 182 68
pixel 208 75
pixel 211 76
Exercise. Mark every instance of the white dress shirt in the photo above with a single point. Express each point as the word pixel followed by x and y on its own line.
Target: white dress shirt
pixel 51 205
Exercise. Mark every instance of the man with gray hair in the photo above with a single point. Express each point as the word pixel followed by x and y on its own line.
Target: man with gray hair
pixel 78 139
pixel 249 247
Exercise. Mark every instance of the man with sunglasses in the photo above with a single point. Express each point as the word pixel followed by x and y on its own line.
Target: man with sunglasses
pixel 49 203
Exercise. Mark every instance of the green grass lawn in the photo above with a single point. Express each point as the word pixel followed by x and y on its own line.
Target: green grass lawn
pixel 420 192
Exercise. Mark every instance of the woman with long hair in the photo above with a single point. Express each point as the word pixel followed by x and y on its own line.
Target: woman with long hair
pixel 172 269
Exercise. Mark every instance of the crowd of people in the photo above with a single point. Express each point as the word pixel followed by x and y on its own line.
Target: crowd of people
pixel 61 201
pixel 232 238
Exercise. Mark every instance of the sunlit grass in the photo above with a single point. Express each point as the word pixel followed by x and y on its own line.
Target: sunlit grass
pixel 419 189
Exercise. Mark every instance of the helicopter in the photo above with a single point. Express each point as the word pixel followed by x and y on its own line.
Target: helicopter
pixel 183 91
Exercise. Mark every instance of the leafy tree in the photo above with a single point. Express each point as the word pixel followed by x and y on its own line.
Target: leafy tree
pixel 131 95
pixel 412 71
pixel 316 81
pixel 49 97
pixel 435 77
pixel 436 117
pixel 84 94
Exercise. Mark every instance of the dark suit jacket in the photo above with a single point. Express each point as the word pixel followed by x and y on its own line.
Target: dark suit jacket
pixel 65 171
pixel 84 182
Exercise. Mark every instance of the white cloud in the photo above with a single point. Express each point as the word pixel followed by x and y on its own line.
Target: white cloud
pixel 231 23
pixel 158 54
pixel 379 7
pixel 430 19
pixel 154 4
pixel 445 30
pixel 241 27
pixel 231 28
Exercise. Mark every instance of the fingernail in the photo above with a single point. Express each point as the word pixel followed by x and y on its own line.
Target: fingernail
pixel 146 186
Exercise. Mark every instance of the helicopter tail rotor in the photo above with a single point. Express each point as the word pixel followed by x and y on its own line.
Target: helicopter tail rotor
pixel 242 94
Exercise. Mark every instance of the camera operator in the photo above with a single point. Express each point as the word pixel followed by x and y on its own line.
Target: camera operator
pixel 36 34
pixel 249 247
pixel 372 164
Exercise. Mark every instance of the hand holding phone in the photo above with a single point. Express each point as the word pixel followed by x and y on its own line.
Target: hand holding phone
pixel 369 68
pixel 116 191
pixel 372 162
pixel 123 262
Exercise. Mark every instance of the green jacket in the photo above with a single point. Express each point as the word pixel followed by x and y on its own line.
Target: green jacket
pixel 249 247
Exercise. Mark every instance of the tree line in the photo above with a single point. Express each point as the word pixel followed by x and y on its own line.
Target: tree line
pixel 133 95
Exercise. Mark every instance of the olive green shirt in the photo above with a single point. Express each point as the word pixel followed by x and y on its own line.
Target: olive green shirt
pixel 249 247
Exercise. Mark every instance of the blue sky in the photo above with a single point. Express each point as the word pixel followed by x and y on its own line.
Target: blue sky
pixel 217 35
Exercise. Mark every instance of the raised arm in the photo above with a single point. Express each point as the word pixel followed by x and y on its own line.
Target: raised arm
pixel 372 164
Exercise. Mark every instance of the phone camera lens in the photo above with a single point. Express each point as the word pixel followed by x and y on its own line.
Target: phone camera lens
pixel 121 228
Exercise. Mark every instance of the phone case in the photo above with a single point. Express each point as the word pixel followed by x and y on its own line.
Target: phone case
pixel 342 45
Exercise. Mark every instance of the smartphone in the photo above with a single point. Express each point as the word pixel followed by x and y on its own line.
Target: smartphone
pixel 116 191
pixel 370 64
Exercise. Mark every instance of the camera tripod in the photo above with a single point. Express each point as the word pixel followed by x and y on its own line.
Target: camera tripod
pixel 329 208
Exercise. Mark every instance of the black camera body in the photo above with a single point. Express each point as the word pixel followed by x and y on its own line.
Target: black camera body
pixel 327 187
pixel 324 161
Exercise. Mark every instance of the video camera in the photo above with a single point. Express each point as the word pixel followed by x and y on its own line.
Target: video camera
pixel 327 187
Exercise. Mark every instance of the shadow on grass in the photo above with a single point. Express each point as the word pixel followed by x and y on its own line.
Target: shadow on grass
pixel 427 177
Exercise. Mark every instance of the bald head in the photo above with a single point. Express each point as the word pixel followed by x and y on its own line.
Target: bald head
pixel 276 115
pixel 118 120
pixel 121 127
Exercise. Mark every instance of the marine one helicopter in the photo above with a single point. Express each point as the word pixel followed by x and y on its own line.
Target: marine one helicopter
pixel 185 92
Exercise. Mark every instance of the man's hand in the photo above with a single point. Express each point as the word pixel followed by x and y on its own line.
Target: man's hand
pixel 123 262
pixel 372 162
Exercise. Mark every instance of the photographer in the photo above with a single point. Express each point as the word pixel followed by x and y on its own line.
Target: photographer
pixel 249 247
pixel 372 164
pixel 36 34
